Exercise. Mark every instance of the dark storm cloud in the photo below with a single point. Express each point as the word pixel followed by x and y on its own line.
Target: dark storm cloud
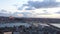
pixel 38 4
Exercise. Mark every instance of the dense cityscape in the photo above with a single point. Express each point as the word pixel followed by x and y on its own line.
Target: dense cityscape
pixel 29 16
pixel 30 28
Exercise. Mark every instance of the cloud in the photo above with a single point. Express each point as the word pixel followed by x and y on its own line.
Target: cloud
pixel 57 12
pixel 26 7
pixel 2 10
pixel 38 4
pixel 30 8
pixel 5 13
pixel 22 14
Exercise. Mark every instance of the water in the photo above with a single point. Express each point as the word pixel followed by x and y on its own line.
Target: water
pixel 18 24
pixel 14 24
pixel 57 25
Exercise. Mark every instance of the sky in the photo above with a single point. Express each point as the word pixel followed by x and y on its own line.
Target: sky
pixel 10 5
pixel 30 8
